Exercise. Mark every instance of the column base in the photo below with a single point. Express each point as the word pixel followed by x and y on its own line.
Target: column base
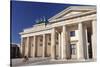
pixel 52 59
pixel 81 59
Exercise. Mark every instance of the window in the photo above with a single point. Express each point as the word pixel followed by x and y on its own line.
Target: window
pixel 73 49
pixel 72 33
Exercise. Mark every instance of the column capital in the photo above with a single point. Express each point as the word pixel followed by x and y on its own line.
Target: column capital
pixel 94 20
pixel 64 26
pixel 44 35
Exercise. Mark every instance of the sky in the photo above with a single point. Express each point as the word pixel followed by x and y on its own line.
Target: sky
pixel 24 15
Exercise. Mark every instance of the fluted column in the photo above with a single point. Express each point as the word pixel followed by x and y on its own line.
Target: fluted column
pixel 86 43
pixel 27 45
pixel 31 46
pixel 68 49
pixel 59 37
pixel 21 46
pixel 43 45
pixel 34 46
pixel 64 42
pixel 53 43
pixel 94 39
pixel 61 45
pixel 80 50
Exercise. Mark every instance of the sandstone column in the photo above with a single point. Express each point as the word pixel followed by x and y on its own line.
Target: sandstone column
pixel 94 39
pixel 80 50
pixel 31 47
pixel 64 41
pixel 62 45
pixel 34 43
pixel 21 47
pixel 26 47
pixel 68 48
pixel 59 37
pixel 43 45
pixel 53 44
pixel 86 42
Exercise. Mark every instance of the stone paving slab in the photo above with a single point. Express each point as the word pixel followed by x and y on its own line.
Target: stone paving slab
pixel 19 62
pixel 46 62
pixel 61 62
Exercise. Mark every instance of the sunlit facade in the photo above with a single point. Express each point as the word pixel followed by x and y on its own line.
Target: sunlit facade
pixel 70 34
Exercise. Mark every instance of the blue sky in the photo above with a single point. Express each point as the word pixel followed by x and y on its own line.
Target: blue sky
pixel 24 14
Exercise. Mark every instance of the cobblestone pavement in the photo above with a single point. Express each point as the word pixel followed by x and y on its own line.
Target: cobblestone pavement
pixel 32 62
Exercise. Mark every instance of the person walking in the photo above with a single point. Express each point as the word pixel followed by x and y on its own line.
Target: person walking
pixel 25 59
